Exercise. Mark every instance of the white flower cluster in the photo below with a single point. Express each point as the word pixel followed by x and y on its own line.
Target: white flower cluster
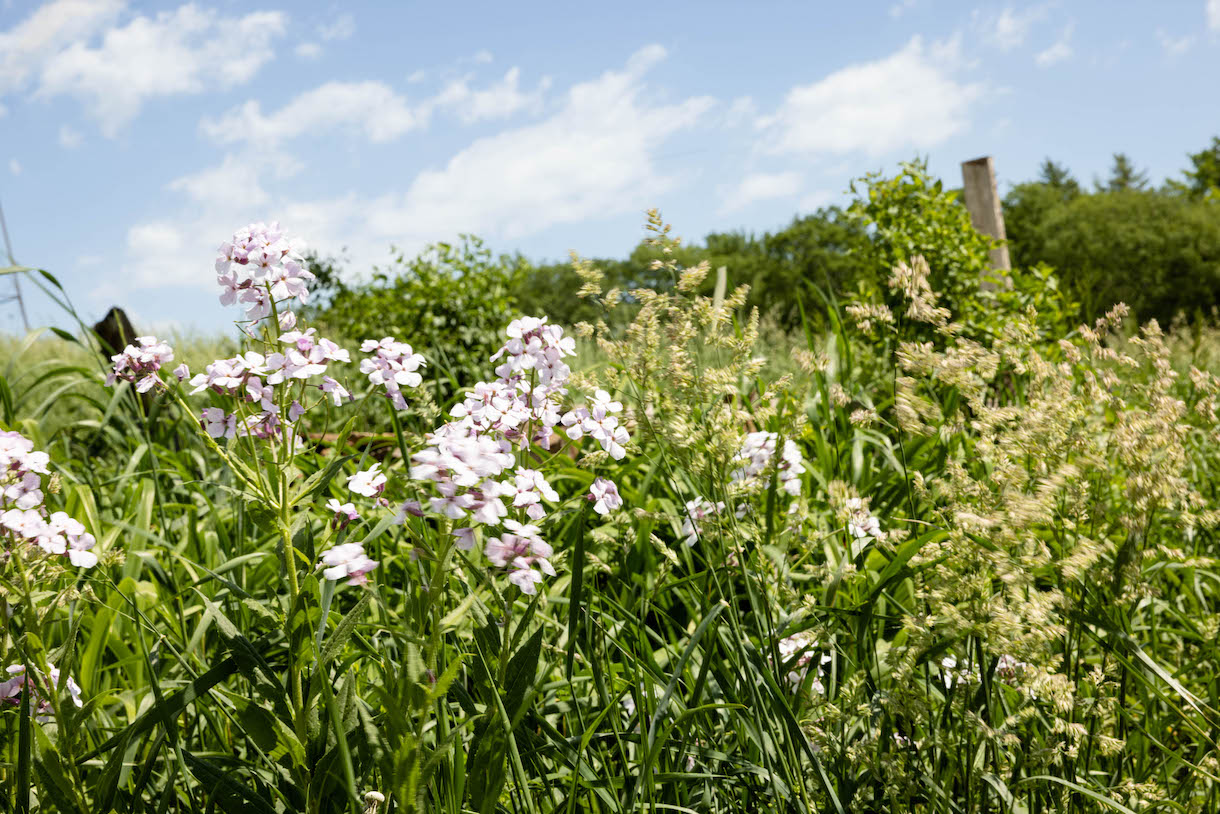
pixel 797 652
pixel 697 511
pixel 252 377
pixel 599 422
pixel 22 515
pixel 10 690
pixel 258 265
pixel 471 460
pixel 754 461
pixel 140 362
pixel 393 365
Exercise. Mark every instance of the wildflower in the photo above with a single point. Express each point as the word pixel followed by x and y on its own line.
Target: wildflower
pixel 797 652
pixel 140 362
pixel 182 372
pixel 951 675
pixel 347 561
pixel 336 391
pixel 217 423
pixel 369 482
pixel 605 495
pixel 756 455
pixel 697 511
pixel 344 512
pixel 528 489
pixel 862 526
pixel 599 422
pixel 258 257
pixel 10 690
pixel 465 538
pixel 521 548
pixel 393 365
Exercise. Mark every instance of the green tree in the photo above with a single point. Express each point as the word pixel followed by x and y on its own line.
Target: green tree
pixel 1124 176
pixel 1027 207
pixel 1059 178
pixel 1203 178
pixel 1158 253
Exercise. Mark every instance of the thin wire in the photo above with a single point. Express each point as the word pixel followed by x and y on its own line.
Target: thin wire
pixel 8 248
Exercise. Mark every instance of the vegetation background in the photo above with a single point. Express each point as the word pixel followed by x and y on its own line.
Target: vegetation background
pixel 996 589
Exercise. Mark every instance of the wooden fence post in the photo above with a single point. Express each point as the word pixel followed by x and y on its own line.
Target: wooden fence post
pixel 983 203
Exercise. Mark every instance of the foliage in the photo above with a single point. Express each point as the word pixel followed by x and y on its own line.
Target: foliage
pixel 451 299
pixel 912 215
pixel 1158 253
pixel 923 568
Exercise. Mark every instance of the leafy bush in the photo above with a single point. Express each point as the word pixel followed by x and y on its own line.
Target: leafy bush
pixel 1157 252
pixel 451 299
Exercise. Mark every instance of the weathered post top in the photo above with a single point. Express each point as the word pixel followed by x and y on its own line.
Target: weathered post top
pixel 983 203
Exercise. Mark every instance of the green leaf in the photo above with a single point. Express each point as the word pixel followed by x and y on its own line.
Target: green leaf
pixel 519 678
pixel 226 793
pixel 343 631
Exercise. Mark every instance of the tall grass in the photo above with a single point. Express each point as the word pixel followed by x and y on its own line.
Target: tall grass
pixel 1030 626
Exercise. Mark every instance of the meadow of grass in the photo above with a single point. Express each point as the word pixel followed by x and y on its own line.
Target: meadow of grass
pixel 889 564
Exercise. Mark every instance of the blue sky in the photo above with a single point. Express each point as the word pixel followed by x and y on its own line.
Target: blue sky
pixel 135 137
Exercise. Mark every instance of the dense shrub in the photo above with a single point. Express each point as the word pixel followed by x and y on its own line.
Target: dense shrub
pixel 451 299
pixel 1157 252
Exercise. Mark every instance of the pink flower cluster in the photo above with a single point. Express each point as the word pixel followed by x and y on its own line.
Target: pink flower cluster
pixel 251 377
pixel 599 422
pixel 260 265
pixel 605 496
pixel 23 517
pixel 10 690
pixel 756 455
pixel 471 459
pixel 393 365
pixel 140 362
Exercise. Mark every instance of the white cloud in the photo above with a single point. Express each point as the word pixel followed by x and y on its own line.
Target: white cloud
pixel 185 51
pixel 69 139
pixel 499 100
pixel 308 50
pixel 26 48
pixel 595 156
pixel 908 99
pixel 762 186
pixel 372 108
pixel 1174 46
pixel 743 110
pixel 341 28
pixel 1008 29
pixel 1058 52
pixel 1213 15
pixel 14 166
pixel 901 7
pixel 481 57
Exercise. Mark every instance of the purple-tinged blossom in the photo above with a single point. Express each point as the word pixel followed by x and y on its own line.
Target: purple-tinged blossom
pixel 11 689
pixel 257 257
pixel 344 513
pixel 605 496
pixel 140 362
pixel 347 561
pixel 393 365
pixel 369 482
